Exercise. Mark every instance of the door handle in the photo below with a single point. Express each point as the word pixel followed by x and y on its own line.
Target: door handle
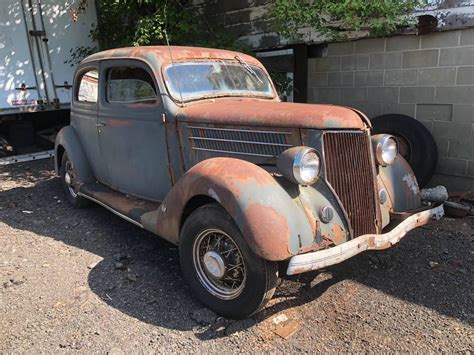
pixel 100 125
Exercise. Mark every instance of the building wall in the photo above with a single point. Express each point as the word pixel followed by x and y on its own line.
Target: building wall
pixel 429 77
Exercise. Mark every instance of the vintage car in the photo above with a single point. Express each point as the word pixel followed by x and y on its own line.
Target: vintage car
pixel 194 145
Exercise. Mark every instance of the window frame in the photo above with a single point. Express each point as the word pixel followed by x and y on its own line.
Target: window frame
pixel 79 76
pixel 142 101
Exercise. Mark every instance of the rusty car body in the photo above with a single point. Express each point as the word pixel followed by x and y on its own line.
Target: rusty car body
pixel 159 133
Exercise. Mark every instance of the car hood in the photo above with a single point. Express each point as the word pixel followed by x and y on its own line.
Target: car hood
pixel 272 114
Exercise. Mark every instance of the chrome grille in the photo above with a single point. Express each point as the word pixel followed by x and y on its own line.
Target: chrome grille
pixel 238 141
pixel 350 172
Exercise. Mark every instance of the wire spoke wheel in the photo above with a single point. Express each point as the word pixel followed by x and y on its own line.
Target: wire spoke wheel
pixel 219 264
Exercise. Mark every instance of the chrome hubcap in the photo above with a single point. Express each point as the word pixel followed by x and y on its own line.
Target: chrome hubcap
pixel 214 264
pixel 219 264
pixel 69 178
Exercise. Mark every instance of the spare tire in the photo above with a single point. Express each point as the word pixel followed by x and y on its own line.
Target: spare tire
pixel 415 143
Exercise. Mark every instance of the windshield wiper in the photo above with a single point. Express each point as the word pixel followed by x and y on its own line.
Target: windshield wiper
pixel 248 67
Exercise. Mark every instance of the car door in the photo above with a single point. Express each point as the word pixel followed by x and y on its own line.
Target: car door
pixel 131 130
pixel 84 111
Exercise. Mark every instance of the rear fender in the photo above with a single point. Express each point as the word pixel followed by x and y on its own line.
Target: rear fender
pixel 273 223
pixel 67 140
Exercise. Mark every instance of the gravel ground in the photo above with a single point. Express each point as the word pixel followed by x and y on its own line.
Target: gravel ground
pixel 85 280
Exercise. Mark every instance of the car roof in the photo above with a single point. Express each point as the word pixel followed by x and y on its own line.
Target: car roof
pixel 157 55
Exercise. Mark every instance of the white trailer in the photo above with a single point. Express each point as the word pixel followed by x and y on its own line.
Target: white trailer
pixel 36 40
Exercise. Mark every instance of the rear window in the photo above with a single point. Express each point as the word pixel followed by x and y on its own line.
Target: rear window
pixel 88 87
pixel 129 84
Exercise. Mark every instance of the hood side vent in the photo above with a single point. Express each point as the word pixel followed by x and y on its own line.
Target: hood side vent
pixel 234 142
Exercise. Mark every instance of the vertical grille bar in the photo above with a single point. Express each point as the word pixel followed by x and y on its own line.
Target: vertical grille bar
pixel 350 172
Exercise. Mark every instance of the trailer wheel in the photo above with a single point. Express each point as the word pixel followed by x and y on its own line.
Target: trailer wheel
pixel 415 143
pixel 68 177
pixel 219 266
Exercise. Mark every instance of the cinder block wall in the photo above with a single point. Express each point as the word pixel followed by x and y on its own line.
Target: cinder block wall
pixel 429 77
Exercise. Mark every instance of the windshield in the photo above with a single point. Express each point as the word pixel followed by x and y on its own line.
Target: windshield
pixel 189 81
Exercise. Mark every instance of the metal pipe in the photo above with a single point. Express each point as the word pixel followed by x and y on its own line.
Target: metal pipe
pixel 46 45
pixel 30 50
pixel 33 22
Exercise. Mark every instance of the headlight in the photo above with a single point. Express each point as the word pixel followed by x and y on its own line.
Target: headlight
pixel 385 148
pixel 300 165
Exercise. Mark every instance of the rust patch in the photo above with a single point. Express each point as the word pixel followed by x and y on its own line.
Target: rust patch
pixel 338 235
pixel 271 114
pixel 268 230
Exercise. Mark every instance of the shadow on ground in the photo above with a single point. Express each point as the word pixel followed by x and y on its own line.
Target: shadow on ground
pixel 149 286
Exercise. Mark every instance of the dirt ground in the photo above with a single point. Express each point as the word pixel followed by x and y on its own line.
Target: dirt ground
pixel 85 280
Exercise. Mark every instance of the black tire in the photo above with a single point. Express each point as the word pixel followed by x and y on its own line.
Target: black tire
pixel 70 190
pixel 260 278
pixel 420 150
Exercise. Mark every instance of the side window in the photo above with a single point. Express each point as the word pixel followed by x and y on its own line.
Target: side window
pixel 88 88
pixel 130 84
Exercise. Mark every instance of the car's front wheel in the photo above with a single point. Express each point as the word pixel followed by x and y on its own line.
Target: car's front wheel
pixel 69 182
pixel 220 267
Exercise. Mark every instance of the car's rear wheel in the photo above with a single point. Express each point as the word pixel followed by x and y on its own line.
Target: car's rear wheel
pixel 69 182
pixel 219 266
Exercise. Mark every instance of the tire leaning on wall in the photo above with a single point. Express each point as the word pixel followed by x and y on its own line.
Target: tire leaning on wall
pixel 415 142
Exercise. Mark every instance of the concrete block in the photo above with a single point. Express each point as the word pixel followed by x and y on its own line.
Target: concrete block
pixel 385 61
pixel 354 94
pixel 443 146
pixel 461 149
pixel 452 130
pixel 345 78
pixel 467 37
pixel 327 64
pixel 400 77
pixel 355 62
pixel 340 48
pixel 455 167
pixel 440 39
pixel 470 170
pixel 419 59
pixel 436 76
pixel 369 109
pixel 233 18
pixel 453 183
pixel 417 95
pixel 239 29
pixel 455 94
pixel 402 43
pixel 371 45
pixel 383 94
pixel 368 78
pixel 317 79
pixel 465 76
pixel 463 113
pixel 434 112
pixel 403 109
pixel 326 95
pixel 457 56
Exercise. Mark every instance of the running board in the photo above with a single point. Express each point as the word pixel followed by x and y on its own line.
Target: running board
pixel 130 208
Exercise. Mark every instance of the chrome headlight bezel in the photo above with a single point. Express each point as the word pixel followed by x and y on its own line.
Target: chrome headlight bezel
pixel 294 163
pixel 385 149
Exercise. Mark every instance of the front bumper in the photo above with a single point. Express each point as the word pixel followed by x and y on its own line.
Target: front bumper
pixel 323 258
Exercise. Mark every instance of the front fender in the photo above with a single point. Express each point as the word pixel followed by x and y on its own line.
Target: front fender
pixel 68 140
pixel 273 223
pixel 401 185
